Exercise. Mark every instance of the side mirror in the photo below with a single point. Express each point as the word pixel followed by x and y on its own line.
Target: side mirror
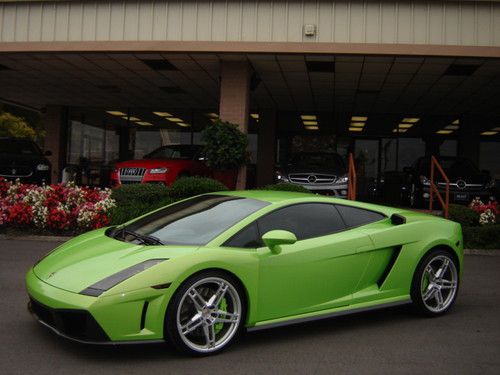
pixel 48 153
pixel 275 238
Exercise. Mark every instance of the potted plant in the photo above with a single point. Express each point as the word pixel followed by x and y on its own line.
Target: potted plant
pixel 226 151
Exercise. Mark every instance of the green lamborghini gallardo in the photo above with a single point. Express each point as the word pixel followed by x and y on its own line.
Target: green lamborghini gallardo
pixel 198 272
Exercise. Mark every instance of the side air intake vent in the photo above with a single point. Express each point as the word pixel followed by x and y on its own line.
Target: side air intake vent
pixel 397 219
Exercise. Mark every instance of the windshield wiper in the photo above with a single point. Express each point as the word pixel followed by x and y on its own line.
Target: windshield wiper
pixel 143 238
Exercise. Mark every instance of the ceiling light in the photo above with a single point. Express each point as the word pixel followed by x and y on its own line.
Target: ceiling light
pixel 213 115
pixel 312 127
pixel 411 120
pixel 405 126
pixel 143 123
pixel 359 118
pixel 452 127
pixel 355 129
pixel 444 131
pixel 456 122
pixel 489 133
pixel 308 117
pixel 116 113
pixel 357 124
pixel 183 124
pixel 254 115
pixel 131 118
pixel 162 114
pixel 310 122
pixel 399 130
pixel 174 119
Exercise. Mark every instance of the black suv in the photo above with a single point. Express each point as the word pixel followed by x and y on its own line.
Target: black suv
pixel 466 181
pixel 22 159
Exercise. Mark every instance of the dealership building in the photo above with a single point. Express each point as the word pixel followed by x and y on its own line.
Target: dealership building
pixel 388 80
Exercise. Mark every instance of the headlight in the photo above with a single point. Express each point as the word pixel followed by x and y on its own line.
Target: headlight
pixel 158 170
pixel 100 287
pixel 342 179
pixel 490 184
pixel 425 181
pixel 42 167
pixel 281 177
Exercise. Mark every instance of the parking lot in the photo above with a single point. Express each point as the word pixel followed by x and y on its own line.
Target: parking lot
pixel 466 341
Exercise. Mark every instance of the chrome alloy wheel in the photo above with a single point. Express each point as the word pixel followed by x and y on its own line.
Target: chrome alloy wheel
pixel 439 283
pixel 209 314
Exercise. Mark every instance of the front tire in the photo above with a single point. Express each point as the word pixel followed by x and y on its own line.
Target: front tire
pixel 205 314
pixel 435 283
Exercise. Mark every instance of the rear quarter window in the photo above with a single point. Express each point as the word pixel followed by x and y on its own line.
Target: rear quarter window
pixel 355 217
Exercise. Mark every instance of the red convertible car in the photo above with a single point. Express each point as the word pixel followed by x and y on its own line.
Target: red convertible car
pixel 163 165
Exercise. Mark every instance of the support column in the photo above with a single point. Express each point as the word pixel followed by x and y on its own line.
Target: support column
pixel 56 128
pixel 235 100
pixel 469 138
pixel 266 152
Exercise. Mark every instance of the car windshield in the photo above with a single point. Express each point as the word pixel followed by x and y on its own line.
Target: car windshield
pixel 195 221
pixel 18 147
pixel 317 159
pixel 182 152
pixel 452 166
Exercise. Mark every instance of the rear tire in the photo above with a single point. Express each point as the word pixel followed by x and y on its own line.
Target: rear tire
pixel 206 314
pixel 435 283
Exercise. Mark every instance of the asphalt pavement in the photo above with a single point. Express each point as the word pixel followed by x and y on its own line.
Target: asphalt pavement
pixel 391 341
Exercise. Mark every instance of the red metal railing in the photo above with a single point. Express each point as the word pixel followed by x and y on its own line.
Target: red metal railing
pixel 434 190
pixel 351 184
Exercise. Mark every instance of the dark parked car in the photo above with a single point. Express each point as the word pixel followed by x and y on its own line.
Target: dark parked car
pixel 320 172
pixel 466 181
pixel 22 159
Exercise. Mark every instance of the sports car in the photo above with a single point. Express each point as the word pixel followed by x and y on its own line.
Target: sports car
pixel 198 272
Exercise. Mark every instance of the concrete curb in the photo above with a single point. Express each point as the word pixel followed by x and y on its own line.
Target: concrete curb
pixel 489 252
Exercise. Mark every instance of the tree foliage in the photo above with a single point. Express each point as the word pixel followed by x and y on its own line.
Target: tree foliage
pixel 14 126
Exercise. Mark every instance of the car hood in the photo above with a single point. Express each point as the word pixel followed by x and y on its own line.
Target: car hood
pixel 91 257
pixel 338 171
pixel 20 159
pixel 147 163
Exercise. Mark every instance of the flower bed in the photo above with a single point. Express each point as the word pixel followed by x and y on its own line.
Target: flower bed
pixel 54 208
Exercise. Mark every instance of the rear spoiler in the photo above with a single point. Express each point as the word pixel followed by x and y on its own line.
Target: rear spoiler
pixel 397 219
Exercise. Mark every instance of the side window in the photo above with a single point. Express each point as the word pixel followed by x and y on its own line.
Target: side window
pixel 354 217
pixel 248 238
pixel 305 220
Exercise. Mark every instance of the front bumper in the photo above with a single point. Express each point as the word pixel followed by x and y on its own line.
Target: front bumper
pixel 464 196
pixel 136 316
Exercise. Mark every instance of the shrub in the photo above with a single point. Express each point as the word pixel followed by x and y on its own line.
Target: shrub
pixel 463 215
pixel 287 187
pixel 140 193
pixel 225 146
pixel 57 207
pixel 190 186
pixel 482 237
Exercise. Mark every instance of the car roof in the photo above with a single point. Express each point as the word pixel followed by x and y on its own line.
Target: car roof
pixel 271 196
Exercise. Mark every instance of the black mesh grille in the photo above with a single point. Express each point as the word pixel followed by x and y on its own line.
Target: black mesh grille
pixel 77 324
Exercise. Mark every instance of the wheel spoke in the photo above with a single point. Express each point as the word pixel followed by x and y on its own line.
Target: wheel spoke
pixel 197 299
pixel 447 284
pixel 209 331
pixel 226 317
pixel 439 299
pixel 193 323
pixel 430 272
pixel 431 290
pixel 218 296
pixel 441 271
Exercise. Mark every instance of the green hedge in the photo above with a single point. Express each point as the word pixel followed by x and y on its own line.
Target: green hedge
pixel 483 237
pixel 464 215
pixel 190 186
pixel 287 187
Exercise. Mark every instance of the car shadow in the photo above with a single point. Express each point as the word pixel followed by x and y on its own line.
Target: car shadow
pixel 249 342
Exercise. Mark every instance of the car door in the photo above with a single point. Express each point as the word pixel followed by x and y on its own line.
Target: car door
pixel 318 272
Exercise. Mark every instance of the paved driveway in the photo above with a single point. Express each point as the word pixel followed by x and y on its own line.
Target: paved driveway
pixel 466 341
